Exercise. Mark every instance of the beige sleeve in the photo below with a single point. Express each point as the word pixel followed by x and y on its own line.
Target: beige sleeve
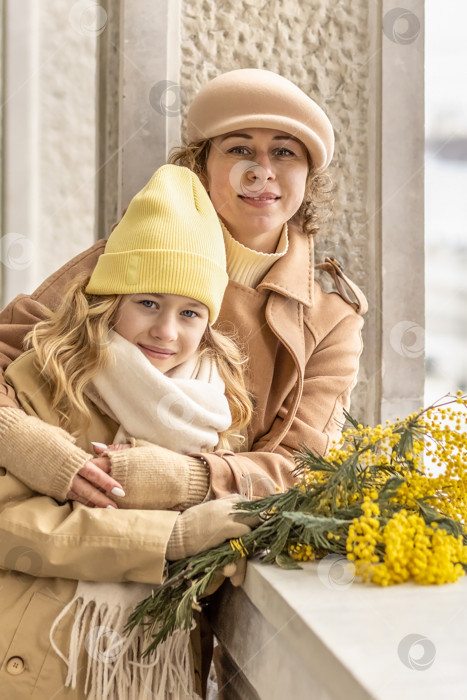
pixel 42 456
pixel 41 538
pixel 207 525
pixel 154 477
pixel 330 375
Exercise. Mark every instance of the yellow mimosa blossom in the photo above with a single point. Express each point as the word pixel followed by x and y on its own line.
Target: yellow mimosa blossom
pixel 415 550
pixel 364 535
pixel 391 542
pixel 301 552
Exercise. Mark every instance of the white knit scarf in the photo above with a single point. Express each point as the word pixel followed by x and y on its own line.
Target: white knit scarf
pixel 183 410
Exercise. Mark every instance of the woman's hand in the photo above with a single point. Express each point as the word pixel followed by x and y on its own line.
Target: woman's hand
pixel 93 481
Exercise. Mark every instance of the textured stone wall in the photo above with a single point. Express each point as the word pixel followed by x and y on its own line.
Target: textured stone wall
pixel 325 49
pixel 2 155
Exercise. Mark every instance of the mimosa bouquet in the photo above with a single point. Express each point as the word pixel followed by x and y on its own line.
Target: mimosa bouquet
pixel 392 499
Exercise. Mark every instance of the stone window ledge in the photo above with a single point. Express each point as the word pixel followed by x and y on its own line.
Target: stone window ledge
pixel 300 634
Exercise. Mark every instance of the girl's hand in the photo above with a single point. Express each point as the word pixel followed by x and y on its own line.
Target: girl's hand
pixel 207 525
pixel 92 483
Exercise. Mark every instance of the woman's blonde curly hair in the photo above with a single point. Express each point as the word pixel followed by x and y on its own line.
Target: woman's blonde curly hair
pixel 317 201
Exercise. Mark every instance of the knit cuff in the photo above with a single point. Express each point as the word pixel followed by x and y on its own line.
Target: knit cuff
pixel 176 544
pixel 155 478
pixel 73 460
pixel 43 456
pixel 199 482
pixel 9 417
pixel 118 465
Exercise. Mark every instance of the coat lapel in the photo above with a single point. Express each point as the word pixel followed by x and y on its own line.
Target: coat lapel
pixel 291 283
pixel 292 275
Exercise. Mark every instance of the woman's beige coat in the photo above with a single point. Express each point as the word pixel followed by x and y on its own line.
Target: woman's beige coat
pixel 303 347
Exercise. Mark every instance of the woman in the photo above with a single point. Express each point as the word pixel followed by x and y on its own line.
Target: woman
pixel 259 145
pixel 262 167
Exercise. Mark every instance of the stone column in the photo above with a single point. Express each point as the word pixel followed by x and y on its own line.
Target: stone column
pixel 108 120
pixel 139 99
pixel 49 136
pixel 19 156
pixel 402 268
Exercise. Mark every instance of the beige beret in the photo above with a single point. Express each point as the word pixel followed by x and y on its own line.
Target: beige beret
pixel 249 98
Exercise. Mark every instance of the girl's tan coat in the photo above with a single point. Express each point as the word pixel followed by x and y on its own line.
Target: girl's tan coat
pixel 53 546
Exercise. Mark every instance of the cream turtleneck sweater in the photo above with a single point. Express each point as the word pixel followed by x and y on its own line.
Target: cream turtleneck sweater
pixel 247 266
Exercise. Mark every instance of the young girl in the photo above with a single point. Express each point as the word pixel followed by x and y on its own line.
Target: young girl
pixel 130 355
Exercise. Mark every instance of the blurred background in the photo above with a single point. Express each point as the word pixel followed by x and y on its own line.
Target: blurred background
pixel 446 197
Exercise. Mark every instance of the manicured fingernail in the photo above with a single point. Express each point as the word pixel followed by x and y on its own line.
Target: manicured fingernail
pixel 102 445
pixel 117 492
pixel 114 507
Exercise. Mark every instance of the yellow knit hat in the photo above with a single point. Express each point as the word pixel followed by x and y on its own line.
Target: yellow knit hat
pixel 168 242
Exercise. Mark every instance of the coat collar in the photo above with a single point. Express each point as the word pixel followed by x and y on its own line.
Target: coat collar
pixel 290 270
pixel 289 275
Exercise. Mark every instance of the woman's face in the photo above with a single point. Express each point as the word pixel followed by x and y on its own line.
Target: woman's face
pixel 167 328
pixel 256 181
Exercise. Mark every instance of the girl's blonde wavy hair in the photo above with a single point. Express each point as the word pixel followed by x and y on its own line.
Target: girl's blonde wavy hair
pixel 317 201
pixel 72 346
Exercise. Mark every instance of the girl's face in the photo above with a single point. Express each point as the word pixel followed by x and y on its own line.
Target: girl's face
pixel 167 328
pixel 256 181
